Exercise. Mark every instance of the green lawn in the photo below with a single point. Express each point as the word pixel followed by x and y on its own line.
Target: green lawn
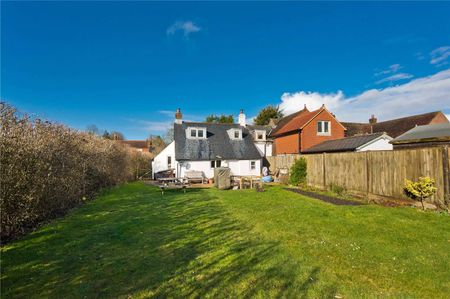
pixel 132 241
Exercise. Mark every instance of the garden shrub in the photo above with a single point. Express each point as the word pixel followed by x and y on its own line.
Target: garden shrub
pixel 49 168
pixel 297 174
pixel 339 190
pixel 420 190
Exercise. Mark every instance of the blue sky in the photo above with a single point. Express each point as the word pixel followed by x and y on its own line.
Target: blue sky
pixel 127 66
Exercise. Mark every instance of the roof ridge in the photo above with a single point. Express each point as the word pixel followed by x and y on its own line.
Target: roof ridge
pixel 411 116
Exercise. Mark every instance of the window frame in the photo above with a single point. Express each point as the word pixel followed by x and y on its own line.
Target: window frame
pixel 262 133
pixel 252 165
pixel 195 132
pixel 215 164
pixel 321 128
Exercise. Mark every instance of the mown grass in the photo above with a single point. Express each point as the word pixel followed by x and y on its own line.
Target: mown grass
pixel 133 242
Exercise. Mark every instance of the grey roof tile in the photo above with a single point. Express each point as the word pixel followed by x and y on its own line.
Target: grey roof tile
pixel 343 144
pixel 217 144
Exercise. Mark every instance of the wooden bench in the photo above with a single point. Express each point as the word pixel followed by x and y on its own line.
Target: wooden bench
pixel 195 176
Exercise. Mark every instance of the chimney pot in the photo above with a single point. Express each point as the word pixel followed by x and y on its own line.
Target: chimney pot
pixel 241 120
pixel 178 116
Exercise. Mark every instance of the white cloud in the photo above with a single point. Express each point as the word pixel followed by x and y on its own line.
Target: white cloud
pixel 186 27
pixel 395 77
pixel 391 69
pixel 420 95
pixel 393 74
pixel 292 102
pixel 440 56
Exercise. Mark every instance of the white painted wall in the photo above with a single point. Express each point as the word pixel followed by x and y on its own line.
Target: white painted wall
pixel 160 161
pixel 264 146
pixel 242 167
pixel 381 144
pixel 238 167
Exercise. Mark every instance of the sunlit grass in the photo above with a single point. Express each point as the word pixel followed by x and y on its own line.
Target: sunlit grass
pixel 132 241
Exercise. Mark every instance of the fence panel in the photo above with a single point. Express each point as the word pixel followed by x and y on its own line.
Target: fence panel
pixel 378 173
pixel 348 171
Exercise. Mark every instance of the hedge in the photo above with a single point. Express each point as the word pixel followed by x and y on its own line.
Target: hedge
pixel 48 168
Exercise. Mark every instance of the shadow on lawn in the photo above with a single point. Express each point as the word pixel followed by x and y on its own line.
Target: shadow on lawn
pixel 139 243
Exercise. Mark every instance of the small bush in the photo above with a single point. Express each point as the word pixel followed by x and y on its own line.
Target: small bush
pixel 420 190
pixel 297 175
pixel 339 190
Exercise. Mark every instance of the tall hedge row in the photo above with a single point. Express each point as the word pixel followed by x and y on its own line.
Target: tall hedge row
pixel 48 168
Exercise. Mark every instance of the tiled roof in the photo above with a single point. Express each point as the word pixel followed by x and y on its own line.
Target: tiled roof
pixel 294 121
pixel 425 133
pixel 216 144
pixel 283 121
pixel 393 128
pixel 343 144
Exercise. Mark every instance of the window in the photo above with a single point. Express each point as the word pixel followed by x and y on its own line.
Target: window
pixel 260 135
pixel 252 165
pixel 236 134
pixel 323 127
pixel 216 163
pixel 193 133
pixel 169 162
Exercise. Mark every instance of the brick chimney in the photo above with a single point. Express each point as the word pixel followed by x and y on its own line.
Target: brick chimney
pixel 241 119
pixel 178 116
pixel 372 120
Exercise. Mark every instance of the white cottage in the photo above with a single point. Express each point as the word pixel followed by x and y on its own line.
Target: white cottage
pixel 205 146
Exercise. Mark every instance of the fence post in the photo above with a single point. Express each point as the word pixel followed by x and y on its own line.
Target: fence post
pixel 446 175
pixel 323 170
pixel 367 175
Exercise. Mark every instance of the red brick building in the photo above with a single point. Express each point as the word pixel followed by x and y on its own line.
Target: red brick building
pixel 301 130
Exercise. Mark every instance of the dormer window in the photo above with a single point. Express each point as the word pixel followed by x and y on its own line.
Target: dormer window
pixel 196 133
pixel 235 134
pixel 260 135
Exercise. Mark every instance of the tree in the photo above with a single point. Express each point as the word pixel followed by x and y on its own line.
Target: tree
pixel 266 114
pixel 106 135
pixel 168 137
pixel 420 190
pixel 222 119
pixel 93 129
pixel 156 144
pixel 115 135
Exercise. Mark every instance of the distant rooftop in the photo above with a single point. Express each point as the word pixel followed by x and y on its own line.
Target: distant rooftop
pixel 436 132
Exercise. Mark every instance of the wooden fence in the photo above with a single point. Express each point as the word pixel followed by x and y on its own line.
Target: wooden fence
pixel 376 173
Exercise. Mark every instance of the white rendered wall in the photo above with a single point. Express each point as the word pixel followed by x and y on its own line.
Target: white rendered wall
pixel 379 145
pixel 238 167
pixel 204 166
pixel 160 161
pixel 264 147
pixel 242 167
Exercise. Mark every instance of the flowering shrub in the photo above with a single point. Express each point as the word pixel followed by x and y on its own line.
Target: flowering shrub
pixel 49 168
pixel 420 190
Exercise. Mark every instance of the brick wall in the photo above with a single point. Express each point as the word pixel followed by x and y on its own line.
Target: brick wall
pixel 288 144
pixel 438 119
pixel 309 133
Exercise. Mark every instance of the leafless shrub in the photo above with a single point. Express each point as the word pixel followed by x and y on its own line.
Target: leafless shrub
pixel 49 168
